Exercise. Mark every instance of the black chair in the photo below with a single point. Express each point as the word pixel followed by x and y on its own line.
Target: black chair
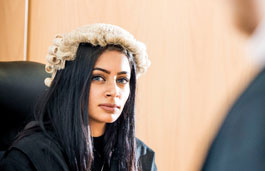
pixel 21 85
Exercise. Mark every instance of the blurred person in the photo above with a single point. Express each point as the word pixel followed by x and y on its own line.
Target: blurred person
pixel 240 143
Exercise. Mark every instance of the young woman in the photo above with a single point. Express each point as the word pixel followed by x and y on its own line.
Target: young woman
pixel 86 119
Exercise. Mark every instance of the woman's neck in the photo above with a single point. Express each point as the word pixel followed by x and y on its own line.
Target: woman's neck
pixel 97 128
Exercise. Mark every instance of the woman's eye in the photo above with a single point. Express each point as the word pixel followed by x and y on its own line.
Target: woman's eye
pixel 98 78
pixel 123 80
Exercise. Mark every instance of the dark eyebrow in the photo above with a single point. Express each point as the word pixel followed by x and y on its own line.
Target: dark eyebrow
pixel 103 70
pixel 108 72
pixel 122 72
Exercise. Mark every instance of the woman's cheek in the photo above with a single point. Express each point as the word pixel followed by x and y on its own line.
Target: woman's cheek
pixel 125 94
pixel 95 92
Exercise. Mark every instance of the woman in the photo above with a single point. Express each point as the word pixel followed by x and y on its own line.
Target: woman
pixel 86 120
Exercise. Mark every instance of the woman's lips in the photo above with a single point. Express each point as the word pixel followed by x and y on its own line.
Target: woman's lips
pixel 110 108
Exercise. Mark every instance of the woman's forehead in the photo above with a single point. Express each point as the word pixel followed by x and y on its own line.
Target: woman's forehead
pixel 113 61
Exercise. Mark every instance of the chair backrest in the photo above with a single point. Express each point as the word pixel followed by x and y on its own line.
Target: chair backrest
pixel 21 85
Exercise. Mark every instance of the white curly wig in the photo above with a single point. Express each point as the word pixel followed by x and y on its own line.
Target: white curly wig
pixel 64 46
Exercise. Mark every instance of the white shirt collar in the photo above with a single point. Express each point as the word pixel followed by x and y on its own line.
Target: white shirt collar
pixel 256 45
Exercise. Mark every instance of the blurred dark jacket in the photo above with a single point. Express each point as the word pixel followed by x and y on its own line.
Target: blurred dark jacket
pixel 240 143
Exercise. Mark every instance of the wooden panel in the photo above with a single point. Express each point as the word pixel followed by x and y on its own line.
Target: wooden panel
pixel 12 29
pixel 197 69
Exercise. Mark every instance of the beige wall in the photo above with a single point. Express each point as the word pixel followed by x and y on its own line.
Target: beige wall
pixel 198 66
pixel 12 29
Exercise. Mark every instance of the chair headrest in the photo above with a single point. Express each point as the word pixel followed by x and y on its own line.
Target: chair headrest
pixel 21 84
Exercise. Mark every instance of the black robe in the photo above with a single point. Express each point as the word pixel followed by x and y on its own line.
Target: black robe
pixel 38 152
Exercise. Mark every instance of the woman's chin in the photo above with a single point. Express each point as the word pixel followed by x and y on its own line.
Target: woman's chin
pixel 110 118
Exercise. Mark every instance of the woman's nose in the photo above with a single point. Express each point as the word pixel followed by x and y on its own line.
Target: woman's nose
pixel 112 90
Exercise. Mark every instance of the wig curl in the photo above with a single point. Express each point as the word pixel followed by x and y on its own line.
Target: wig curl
pixel 64 46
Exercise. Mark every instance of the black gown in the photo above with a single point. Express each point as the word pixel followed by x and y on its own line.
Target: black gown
pixel 98 163
pixel 38 152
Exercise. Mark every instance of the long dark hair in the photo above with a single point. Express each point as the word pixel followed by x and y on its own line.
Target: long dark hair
pixel 65 107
